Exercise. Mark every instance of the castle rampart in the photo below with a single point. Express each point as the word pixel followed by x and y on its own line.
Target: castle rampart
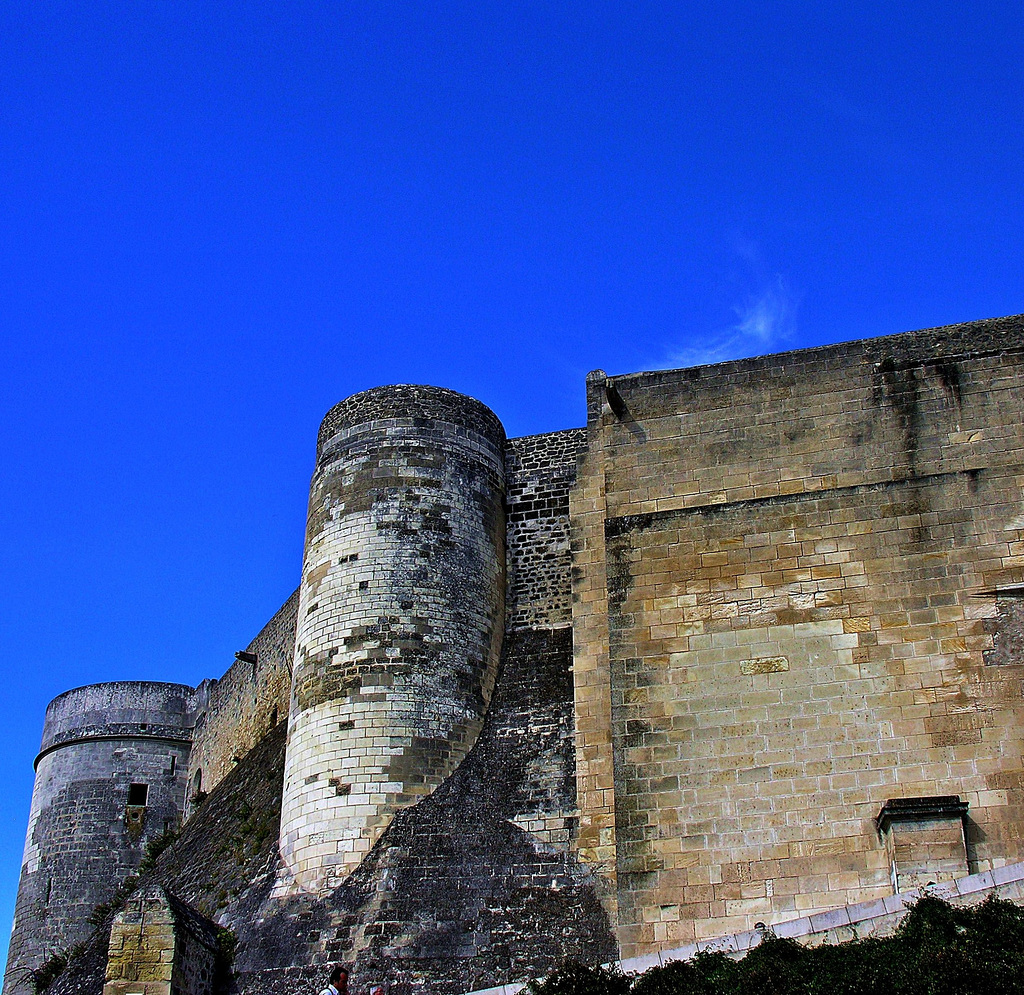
pixel 244 705
pixel 755 643
pixel 110 776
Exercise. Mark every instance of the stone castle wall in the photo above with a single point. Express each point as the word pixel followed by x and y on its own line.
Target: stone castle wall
pixel 245 704
pixel 797 586
pixel 725 624
pixel 540 470
pixel 514 844
pixel 478 882
pixel 84 835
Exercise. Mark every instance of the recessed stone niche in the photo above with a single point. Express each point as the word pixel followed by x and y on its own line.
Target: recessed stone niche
pixel 924 838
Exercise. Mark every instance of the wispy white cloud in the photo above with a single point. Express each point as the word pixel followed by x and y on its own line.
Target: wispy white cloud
pixel 764 322
pixel 767 318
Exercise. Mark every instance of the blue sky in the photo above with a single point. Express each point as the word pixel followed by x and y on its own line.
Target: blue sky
pixel 218 219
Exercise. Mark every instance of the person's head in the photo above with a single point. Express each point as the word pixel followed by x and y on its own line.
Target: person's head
pixel 339 977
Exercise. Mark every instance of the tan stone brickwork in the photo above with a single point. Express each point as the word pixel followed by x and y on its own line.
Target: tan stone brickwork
pixel 140 956
pixel 595 786
pixel 158 946
pixel 873 919
pixel 793 587
pixel 925 852
pixel 805 559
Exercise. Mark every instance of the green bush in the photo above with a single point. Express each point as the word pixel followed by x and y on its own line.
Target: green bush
pixel 105 910
pixel 155 847
pixel 48 972
pixel 939 949
pixel 683 977
pixel 573 978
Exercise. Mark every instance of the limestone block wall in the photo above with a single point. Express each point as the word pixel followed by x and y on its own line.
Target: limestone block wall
pixel 246 703
pixel 400 618
pixel 140 955
pixel 158 946
pixel 84 834
pixel 796 598
pixel 874 919
pixel 592 676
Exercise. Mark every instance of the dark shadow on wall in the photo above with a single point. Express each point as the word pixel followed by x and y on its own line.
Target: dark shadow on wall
pixel 456 894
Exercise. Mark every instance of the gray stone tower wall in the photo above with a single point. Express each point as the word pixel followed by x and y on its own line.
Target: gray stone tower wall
pixel 84 838
pixel 400 618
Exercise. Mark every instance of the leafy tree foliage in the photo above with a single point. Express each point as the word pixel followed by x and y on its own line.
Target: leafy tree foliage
pixel 939 949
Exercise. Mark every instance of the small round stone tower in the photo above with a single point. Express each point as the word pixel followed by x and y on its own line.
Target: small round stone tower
pixel 401 616
pixel 110 776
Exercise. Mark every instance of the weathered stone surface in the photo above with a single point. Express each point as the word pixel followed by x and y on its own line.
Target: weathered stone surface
pixel 741 610
pixel 240 708
pixel 475 883
pixel 222 865
pixel 83 837
pixel 853 511
pixel 159 946
pixel 400 619
pixel 540 471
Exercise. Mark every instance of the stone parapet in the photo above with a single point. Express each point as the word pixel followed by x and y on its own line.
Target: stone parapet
pixel 120 709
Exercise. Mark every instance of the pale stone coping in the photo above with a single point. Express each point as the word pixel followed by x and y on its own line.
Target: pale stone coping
pixel 861 914
pixel 512 989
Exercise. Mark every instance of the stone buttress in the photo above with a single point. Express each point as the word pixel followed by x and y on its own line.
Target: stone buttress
pixel 400 618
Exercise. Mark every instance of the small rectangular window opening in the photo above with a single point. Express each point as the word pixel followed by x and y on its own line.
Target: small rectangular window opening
pixel 138 794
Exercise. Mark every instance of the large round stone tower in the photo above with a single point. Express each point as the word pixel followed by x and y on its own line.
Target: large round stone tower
pixel 401 615
pixel 110 776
